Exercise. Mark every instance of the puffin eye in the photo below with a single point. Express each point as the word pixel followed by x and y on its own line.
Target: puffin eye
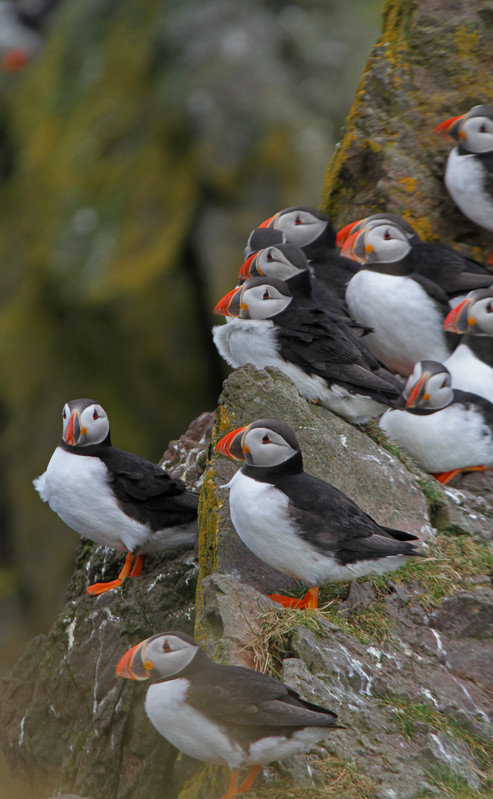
pixel 483 128
pixel 269 256
pixel 489 307
pixel 266 295
pixel 298 220
pixel 387 235
pixel 444 384
pixel 266 439
pixel 64 414
pixel 95 414
pixel 166 646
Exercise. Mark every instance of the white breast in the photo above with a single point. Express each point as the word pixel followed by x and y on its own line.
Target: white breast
pixel 464 179
pixel 406 322
pixel 452 438
pixel 259 513
pixel 76 488
pixel 470 373
pixel 188 729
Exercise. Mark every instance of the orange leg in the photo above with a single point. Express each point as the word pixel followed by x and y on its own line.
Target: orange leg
pixel 232 791
pixel 310 600
pixel 248 781
pixel 445 477
pixel 100 588
pixel 137 569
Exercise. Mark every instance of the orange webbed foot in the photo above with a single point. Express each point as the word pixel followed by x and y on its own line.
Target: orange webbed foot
pixel 131 568
pixel 310 600
pixel 446 477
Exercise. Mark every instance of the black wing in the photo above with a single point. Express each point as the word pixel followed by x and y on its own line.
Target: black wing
pixel 246 698
pixel 335 525
pixel 147 493
pixel 323 345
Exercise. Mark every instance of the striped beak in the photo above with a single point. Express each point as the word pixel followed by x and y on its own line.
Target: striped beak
pixel 229 305
pixel 74 430
pixel 450 128
pixel 132 665
pixel 418 393
pixel 458 319
pixel 231 444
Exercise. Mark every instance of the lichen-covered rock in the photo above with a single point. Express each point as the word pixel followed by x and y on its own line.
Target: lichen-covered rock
pixel 432 62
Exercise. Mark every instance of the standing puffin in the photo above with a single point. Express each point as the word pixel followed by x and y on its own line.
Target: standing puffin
pixel 445 430
pixel 326 361
pixel 471 363
pixel 312 231
pixel 113 497
pixel 298 524
pixel 469 170
pixel 404 297
pixel 228 715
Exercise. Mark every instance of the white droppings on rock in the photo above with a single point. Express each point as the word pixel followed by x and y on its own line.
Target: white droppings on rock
pixel 21 727
pixel 438 640
pixel 70 633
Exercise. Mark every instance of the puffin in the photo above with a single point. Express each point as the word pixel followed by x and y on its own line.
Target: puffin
pixel 469 170
pixel 227 715
pixel 113 497
pixel 298 524
pixel 437 257
pixel 325 361
pixel 446 430
pixel 471 363
pixel 404 298
pixel 19 41
pixel 312 231
pixel 288 262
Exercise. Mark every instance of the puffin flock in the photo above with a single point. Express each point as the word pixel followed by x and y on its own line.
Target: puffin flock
pixel 371 322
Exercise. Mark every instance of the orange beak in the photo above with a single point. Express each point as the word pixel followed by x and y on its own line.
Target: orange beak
pixel 131 666
pixel 354 246
pixel 231 446
pixel 229 305
pixel 417 394
pixel 446 128
pixel 270 222
pixel 73 429
pixel 344 233
pixel 245 269
pixel 457 320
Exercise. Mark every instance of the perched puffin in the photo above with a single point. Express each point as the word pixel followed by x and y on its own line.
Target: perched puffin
pixel 469 170
pixel 298 524
pixel 445 430
pixel 113 497
pixel 403 298
pixel 471 363
pixel 228 715
pixel 326 362
pixel 312 231
pixel 433 259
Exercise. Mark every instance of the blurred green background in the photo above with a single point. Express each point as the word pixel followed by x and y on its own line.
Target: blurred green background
pixel 137 152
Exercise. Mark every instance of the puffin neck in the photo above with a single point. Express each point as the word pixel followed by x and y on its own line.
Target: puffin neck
pixel 326 241
pixel 89 449
pixel 401 268
pixel 267 474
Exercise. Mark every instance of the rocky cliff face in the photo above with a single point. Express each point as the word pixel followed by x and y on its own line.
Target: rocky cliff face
pixel 406 660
